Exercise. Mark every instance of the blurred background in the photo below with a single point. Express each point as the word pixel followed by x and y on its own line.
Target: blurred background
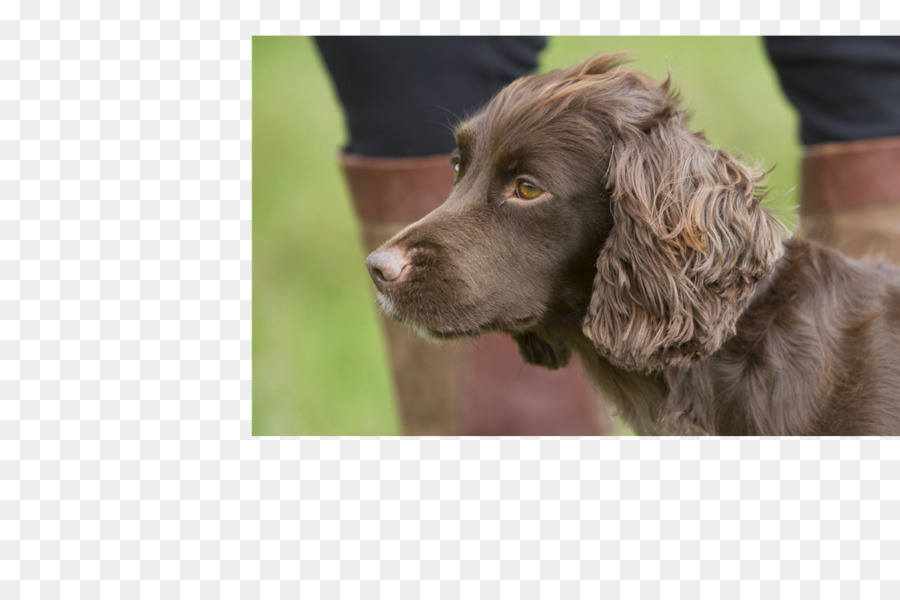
pixel 319 365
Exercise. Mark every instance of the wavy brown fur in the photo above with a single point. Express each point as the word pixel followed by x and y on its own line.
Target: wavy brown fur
pixel 690 244
pixel 650 256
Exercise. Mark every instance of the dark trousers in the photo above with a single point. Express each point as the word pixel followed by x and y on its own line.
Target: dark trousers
pixel 402 95
pixel 844 88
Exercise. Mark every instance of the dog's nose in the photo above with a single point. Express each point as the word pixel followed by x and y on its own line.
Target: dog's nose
pixel 385 267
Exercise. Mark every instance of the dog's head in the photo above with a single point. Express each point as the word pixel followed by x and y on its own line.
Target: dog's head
pixel 582 199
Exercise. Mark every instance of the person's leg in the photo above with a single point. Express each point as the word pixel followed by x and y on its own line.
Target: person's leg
pixel 401 97
pixel 847 92
pixel 388 194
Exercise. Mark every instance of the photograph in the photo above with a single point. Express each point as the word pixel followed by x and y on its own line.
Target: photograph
pixel 574 236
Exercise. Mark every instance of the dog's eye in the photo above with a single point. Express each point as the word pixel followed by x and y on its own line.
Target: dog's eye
pixel 527 191
pixel 455 171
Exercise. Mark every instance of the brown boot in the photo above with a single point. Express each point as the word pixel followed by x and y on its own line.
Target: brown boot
pixel 851 197
pixel 473 387
pixel 504 396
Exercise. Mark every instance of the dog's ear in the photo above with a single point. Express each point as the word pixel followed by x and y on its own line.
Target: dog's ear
pixel 688 245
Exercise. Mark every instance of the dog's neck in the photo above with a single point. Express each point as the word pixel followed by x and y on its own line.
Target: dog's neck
pixel 636 397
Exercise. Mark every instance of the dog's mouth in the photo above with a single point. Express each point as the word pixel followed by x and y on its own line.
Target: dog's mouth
pixel 450 324
pixel 520 325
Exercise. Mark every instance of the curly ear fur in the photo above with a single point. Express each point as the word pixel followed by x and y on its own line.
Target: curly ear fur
pixel 689 243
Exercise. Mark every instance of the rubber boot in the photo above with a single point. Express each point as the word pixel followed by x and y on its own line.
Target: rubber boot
pixel 850 197
pixel 469 387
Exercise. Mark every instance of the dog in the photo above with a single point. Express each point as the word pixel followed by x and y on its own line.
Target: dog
pixel 588 218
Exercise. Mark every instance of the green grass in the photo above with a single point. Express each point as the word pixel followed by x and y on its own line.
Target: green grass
pixel 319 366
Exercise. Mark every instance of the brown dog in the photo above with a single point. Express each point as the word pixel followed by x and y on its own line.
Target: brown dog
pixel 587 217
